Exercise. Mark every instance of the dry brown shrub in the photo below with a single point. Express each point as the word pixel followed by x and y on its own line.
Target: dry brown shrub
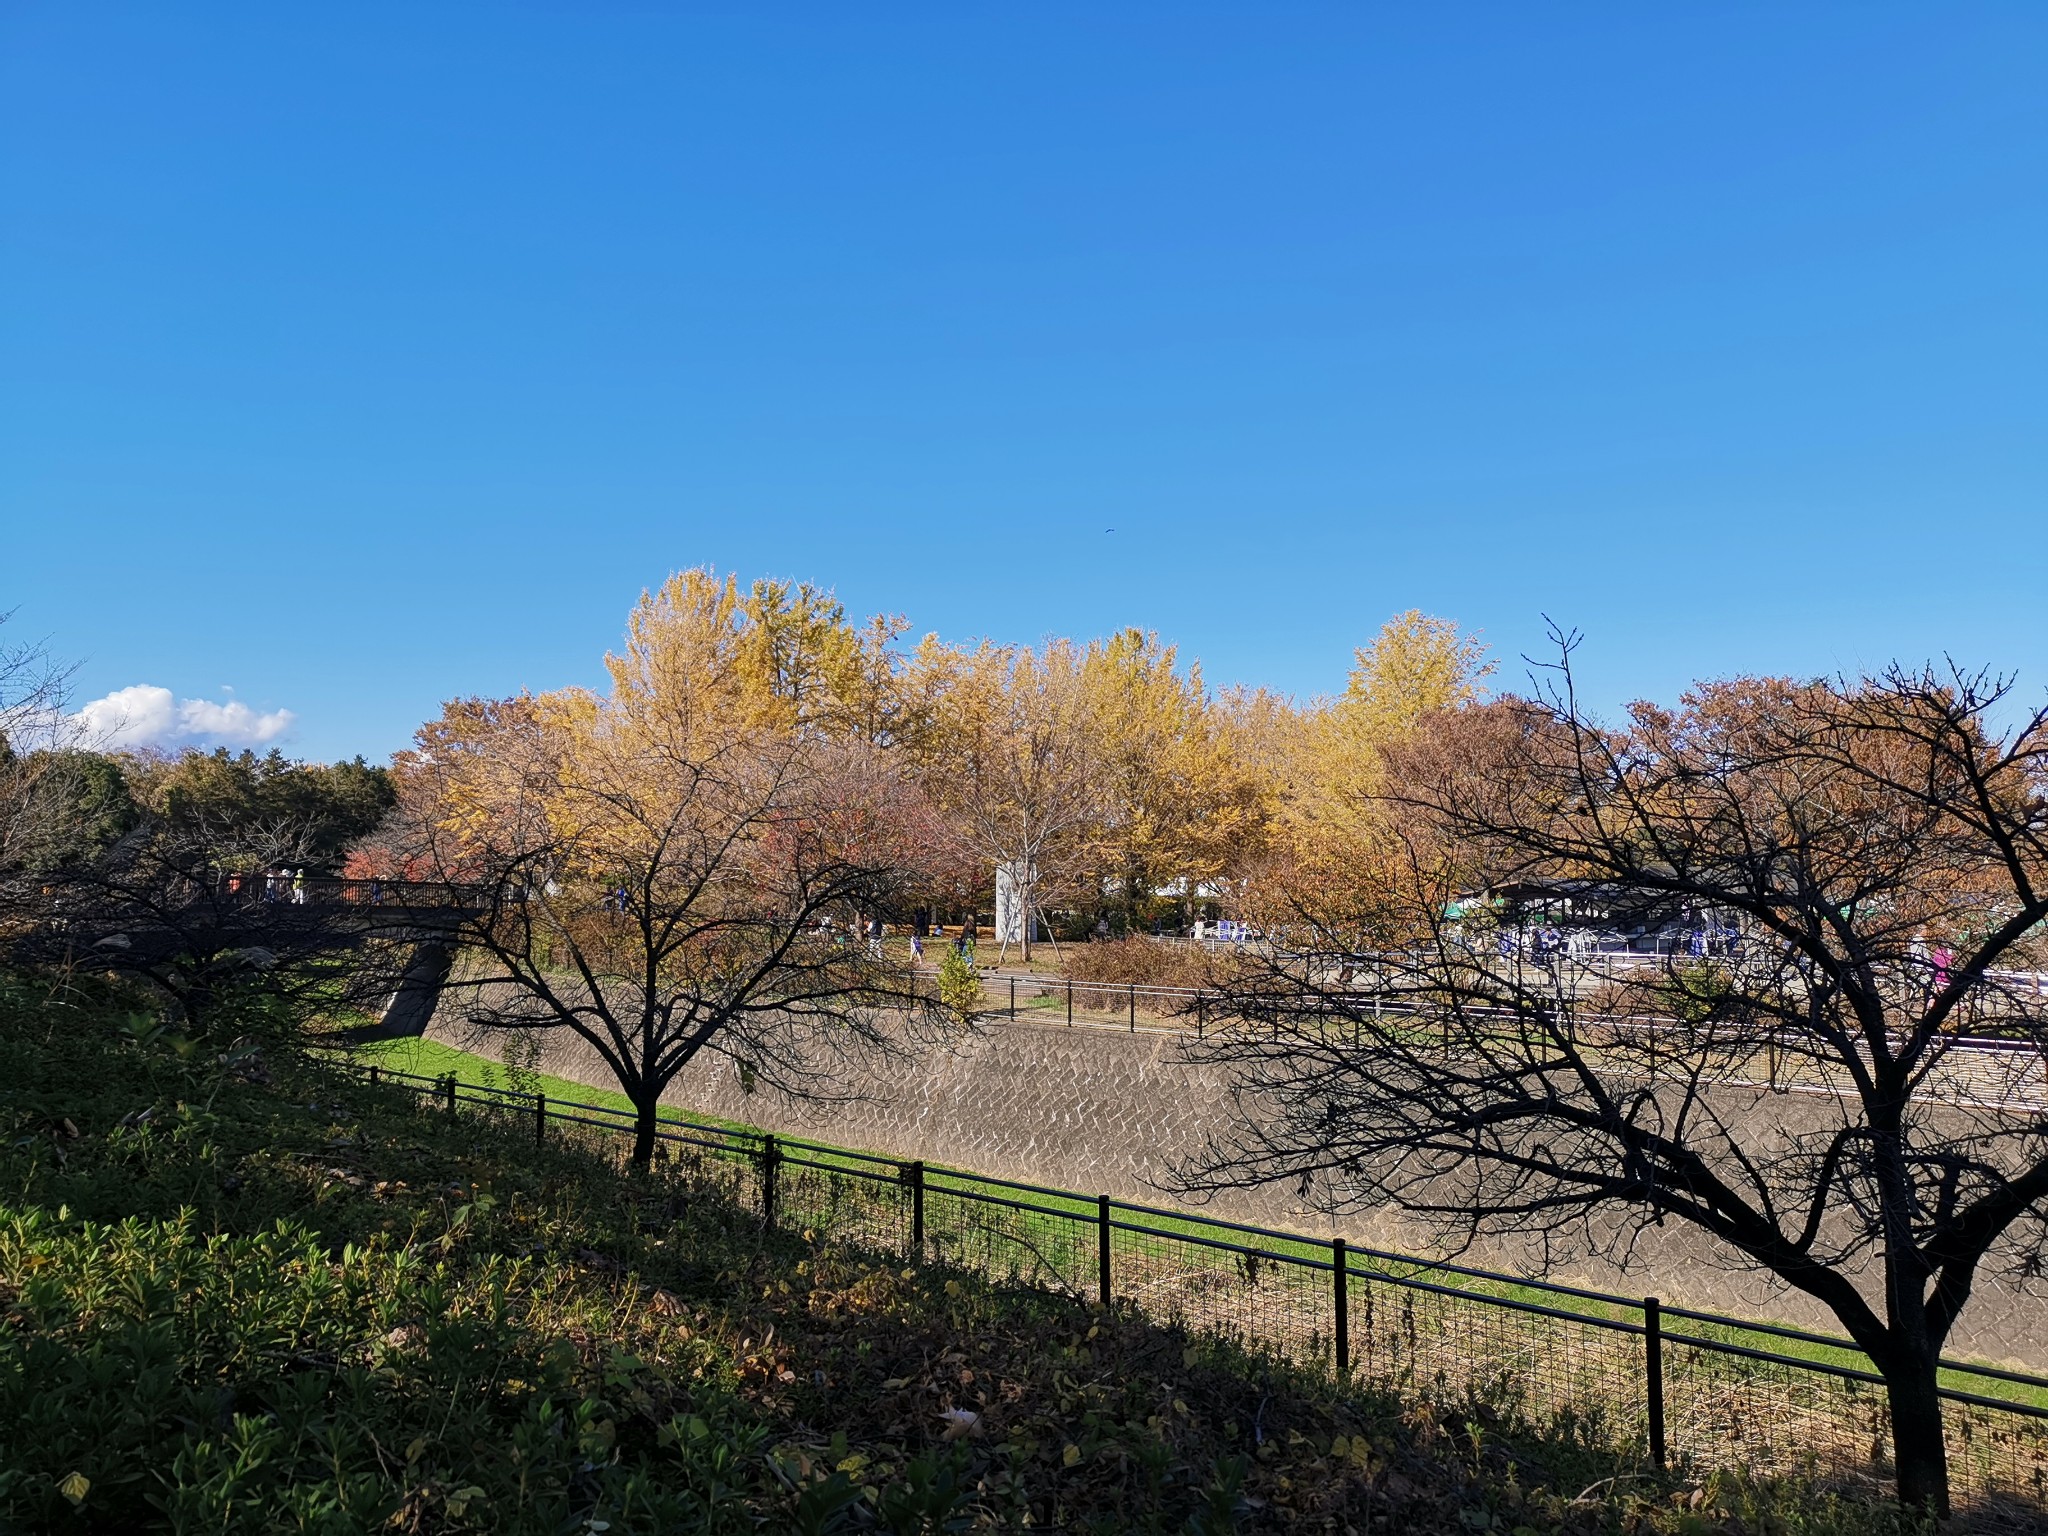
pixel 1149 962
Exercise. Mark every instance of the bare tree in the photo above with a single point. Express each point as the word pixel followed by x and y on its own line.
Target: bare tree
pixel 660 891
pixel 34 768
pixel 199 909
pixel 1849 864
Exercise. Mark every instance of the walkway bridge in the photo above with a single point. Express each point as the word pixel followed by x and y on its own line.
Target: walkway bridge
pixel 236 918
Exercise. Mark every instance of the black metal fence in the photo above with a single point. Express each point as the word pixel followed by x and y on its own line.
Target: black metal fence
pixel 1685 1389
pixel 1987 1073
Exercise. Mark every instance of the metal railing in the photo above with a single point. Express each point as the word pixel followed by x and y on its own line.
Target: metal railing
pixel 1711 1391
pixel 286 888
pixel 2009 1076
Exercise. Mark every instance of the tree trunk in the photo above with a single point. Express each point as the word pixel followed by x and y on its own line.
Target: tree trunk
pixel 644 1127
pixel 1919 1452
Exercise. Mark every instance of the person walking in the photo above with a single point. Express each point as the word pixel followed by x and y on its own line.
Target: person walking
pixel 299 887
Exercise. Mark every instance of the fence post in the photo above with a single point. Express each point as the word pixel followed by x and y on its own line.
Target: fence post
pixel 768 1160
pixel 540 1118
pixel 449 1087
pixel 1340 1280
pixel 917 1208
pixel 373 1074
pixel 1653 1362
pixel 1201 1010
pixel 1102 1248
pixel 1070 1005
pixel 1134 1007
pixel 1013 997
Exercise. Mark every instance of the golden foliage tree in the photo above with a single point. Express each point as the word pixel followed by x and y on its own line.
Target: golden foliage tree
pixel 1007 751
pixel 1336 850
pixel 1180 795
pixel 676 867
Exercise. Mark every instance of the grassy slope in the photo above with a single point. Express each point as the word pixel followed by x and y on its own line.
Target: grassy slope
pixel 243 1293
pixel 431 1058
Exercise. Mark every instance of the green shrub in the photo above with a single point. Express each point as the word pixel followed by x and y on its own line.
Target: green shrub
pixel 959 987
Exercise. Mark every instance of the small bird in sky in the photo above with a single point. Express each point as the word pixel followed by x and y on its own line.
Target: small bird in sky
pixel 1109 530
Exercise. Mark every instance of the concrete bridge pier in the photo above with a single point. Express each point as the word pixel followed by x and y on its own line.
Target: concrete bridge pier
pixel 411 1005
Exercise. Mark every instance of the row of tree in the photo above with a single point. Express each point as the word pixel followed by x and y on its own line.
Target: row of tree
pixel 696 859
pixel 77 806
pixel 1106 778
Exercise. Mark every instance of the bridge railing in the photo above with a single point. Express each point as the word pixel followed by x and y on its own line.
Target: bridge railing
pixel 286 888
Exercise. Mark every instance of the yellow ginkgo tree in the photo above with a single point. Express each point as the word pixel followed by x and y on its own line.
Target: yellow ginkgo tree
pixel 1007 751
pixel 1181 797
pixel 1337 849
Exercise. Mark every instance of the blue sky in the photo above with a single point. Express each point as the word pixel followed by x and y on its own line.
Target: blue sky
pixel 353 361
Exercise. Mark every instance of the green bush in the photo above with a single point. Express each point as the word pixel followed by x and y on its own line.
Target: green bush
pixel 959 987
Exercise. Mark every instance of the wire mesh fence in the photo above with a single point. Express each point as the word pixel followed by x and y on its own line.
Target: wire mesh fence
pixel 1276 1298
pixel 1691 1390
pixel 1011 1232
pixel 865 1201
pixel 1772 1415
pixel 1525 1362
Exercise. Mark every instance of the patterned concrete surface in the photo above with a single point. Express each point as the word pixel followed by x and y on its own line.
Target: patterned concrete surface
pixel 1105 1111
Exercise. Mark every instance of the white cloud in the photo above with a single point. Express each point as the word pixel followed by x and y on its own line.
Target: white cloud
pixel 145 715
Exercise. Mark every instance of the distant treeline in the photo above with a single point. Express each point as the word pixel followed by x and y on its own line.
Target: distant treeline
pixel 77 806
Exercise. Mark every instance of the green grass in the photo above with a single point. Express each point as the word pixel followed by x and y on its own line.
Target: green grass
pixel 248 1292
pixel 430 1058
